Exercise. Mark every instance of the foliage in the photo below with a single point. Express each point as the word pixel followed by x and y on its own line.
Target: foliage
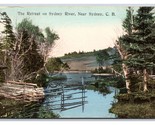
pixel 101 70
pixel 31 57
pixel 141 49
pixel 131 110
pixel 50 36
pixel 101 56
pixel 7 41
pixel 77 54
pixel 55 64
pixel 31 29
pixel 41 80
pixel 18 109
pixel 8 31
pixel 26 50
pixel 137 97
pixel 46 113
pixel 135 47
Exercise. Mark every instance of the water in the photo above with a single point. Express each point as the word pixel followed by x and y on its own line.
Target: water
pixel 80 103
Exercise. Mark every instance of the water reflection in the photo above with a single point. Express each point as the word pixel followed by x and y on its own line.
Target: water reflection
pixel 76 102
pixel 69 97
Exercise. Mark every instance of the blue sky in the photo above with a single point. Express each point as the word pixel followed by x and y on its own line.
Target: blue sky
pixel 77 33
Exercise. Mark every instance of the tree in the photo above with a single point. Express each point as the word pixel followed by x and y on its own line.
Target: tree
pixel 36 46
pixel 32 61
pixel 23 49
pixel 123 45
pixel 101 57
pixel 135 47
pixel 46 46
pixel 7 42
pixel 54 64
pixel 142 49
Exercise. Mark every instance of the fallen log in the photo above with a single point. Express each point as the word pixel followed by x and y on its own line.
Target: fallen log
pixel 22 83
pixel 26 92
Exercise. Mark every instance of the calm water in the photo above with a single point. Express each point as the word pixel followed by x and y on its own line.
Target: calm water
pixel 80 103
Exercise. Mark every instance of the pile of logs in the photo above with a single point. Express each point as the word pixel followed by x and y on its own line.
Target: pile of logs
pixel 27 92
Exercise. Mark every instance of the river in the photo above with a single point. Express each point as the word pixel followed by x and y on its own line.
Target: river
pixel 81 102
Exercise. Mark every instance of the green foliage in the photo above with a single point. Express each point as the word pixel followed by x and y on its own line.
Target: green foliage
pixel 46 113
pixel 55 64
pixel 128 21
pixel 101 70
pixel 25 54
pixel 141 49
pixel 50 36
pixel 131 110
pixel 77 54
pixel 136 97
pixel 7 41
pixel 41 80
pixel 9 38
pixel 18 109
pixel 136 45
pixel 31 56
pixel 31 29
pixel 101 56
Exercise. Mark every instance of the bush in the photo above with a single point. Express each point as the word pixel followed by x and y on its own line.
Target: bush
pixel 42 80
pixel 46 113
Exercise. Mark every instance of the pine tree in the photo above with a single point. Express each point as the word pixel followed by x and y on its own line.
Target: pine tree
pixel 7 42
pixel 142 49
pixel 122 45
pixel 8 31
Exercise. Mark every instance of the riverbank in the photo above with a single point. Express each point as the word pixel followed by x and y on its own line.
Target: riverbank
pixel 10 108
pixel 135 111
pixel 135 105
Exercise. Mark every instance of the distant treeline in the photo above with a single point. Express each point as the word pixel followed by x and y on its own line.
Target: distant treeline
pixel 82 53
pixel 77 54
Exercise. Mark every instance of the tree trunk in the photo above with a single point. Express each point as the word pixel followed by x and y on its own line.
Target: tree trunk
pixel 127 80
pixel 45 68
pixel 145 80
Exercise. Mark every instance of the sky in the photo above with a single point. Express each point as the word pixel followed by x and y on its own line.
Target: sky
pixel 76 32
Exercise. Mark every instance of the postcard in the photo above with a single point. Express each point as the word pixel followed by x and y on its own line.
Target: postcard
pixel 77 62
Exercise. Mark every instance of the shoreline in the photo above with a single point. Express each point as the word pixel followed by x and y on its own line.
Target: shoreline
pixel 86 71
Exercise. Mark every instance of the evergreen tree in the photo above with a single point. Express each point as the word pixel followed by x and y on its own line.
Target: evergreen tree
pixel 7 42
pixel 9 38
pixel 142 49
pixel 123 45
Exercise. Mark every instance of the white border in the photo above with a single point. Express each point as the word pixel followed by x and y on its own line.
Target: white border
pixel 109 2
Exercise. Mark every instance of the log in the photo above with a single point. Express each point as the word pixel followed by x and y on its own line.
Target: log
pixel 26 92
pixel 22 83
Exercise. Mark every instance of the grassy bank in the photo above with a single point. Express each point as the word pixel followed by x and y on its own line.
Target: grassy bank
pixel 10 108
pixel 132 110
pixel 135 105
